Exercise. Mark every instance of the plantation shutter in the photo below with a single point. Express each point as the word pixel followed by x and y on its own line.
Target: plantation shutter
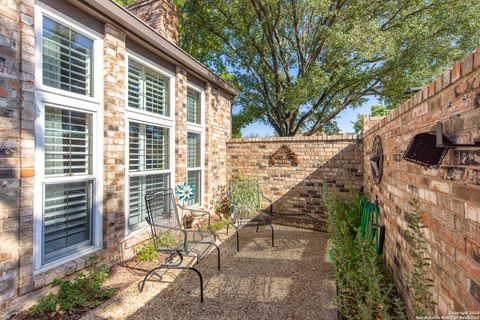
pixel 66 218
pixel 193 106
pixel 68 138
pixel 139 187
pixel 67 58
pixel 148 151
pixel 193 150
pixel 147 89
pixel 194 178
pixel 148 147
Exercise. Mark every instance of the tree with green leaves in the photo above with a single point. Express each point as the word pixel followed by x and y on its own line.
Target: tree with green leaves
pixel 125 2
pixel 375 111
pixel 299 63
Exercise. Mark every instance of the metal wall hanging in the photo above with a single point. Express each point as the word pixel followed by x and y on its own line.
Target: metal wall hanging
pixel 284 156
pixel 423 150
pixel 429 150
pixel 376 159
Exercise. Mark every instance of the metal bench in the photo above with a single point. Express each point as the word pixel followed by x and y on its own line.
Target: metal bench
pixel 162 216
pixel 245 207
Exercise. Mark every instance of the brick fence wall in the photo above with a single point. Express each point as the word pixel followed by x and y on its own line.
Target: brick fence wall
pixel 298 188
pixel 449 196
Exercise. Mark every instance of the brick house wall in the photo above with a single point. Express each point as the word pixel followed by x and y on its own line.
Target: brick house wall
pixel 20 286
pixel 449 196
pixel 297 189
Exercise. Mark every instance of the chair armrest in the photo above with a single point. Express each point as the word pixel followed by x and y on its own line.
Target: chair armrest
pixel 270 204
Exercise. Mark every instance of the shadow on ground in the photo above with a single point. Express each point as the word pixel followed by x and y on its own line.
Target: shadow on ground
pixel 290 281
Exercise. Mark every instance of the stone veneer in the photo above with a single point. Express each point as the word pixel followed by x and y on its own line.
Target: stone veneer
pixel 334 160
pixel 19 285
pixel 449 196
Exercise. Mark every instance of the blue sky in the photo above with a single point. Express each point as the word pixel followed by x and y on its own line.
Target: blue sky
pixel 344 120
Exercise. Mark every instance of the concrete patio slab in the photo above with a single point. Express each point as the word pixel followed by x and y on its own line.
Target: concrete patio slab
pixel 293 280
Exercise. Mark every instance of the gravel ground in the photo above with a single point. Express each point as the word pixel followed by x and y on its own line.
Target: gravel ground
pixel 290 281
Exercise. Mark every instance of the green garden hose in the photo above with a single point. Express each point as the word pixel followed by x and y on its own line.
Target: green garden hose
pixel 369 225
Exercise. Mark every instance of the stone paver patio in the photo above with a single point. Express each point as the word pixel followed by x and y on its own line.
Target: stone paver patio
pixel 291 281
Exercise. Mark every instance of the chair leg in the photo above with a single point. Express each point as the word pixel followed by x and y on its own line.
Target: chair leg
pixel 148 274
pixel 175 267
pixel 218 256
pixel 238 241
pixel 273 236
pixel 258 224
pixel 201 282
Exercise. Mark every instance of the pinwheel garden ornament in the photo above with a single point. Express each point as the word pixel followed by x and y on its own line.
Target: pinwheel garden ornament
pixel 185 192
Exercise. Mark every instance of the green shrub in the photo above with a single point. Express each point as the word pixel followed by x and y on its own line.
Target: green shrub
pixel 365 288
pixel 148 252
pixel 216 226
pixel 85 291
pixel 245 195
pixel 419 279
pixel 221 202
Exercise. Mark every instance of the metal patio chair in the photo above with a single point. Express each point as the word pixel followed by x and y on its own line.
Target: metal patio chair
pixel 245 199
pixel 163 217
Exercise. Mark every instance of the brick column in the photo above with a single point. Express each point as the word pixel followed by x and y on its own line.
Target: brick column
pixel 27 144
pixel 16 150
pixel 180 126
pixel 114 139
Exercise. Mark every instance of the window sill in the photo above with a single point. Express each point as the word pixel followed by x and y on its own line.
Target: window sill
pixel 142 227
pixel 54 264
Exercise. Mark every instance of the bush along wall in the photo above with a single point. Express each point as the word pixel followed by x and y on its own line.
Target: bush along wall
pixel 365 288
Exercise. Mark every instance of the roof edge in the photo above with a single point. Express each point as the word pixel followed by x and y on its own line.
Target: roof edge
pixel 128 20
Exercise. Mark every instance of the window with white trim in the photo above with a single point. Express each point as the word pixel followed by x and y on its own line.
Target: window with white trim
pixel 194 106
pixel 67 58
pixel 67 211
pixel 150 141
pixel 147 89
pixel 194 165
pixel 149 166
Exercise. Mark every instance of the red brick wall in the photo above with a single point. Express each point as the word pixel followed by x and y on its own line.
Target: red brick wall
pixel 297 189
pixel 449 196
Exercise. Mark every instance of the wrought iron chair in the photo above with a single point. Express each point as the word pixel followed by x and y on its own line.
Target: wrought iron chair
pixel 245 199
pixel 162 216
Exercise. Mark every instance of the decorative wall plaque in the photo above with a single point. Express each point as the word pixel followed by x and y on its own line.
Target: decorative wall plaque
pixel 283 157
pixel 376 159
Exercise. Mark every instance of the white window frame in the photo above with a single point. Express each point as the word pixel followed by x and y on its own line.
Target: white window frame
pixel 93 105
pixel 41 10
pixel 199 129
pixel 148 118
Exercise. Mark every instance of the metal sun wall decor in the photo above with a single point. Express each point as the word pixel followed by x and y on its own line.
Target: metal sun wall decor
pixel 185 191
pixel 284 156
pixel 376 159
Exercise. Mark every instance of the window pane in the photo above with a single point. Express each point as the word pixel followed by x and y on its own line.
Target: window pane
pixel 67 58
pixel 193 150
pixel 194 178
pixel 148 147
pixel 193 106
pixel 147 89
pixel 68 136
pixel 67 218
pixel 139 187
